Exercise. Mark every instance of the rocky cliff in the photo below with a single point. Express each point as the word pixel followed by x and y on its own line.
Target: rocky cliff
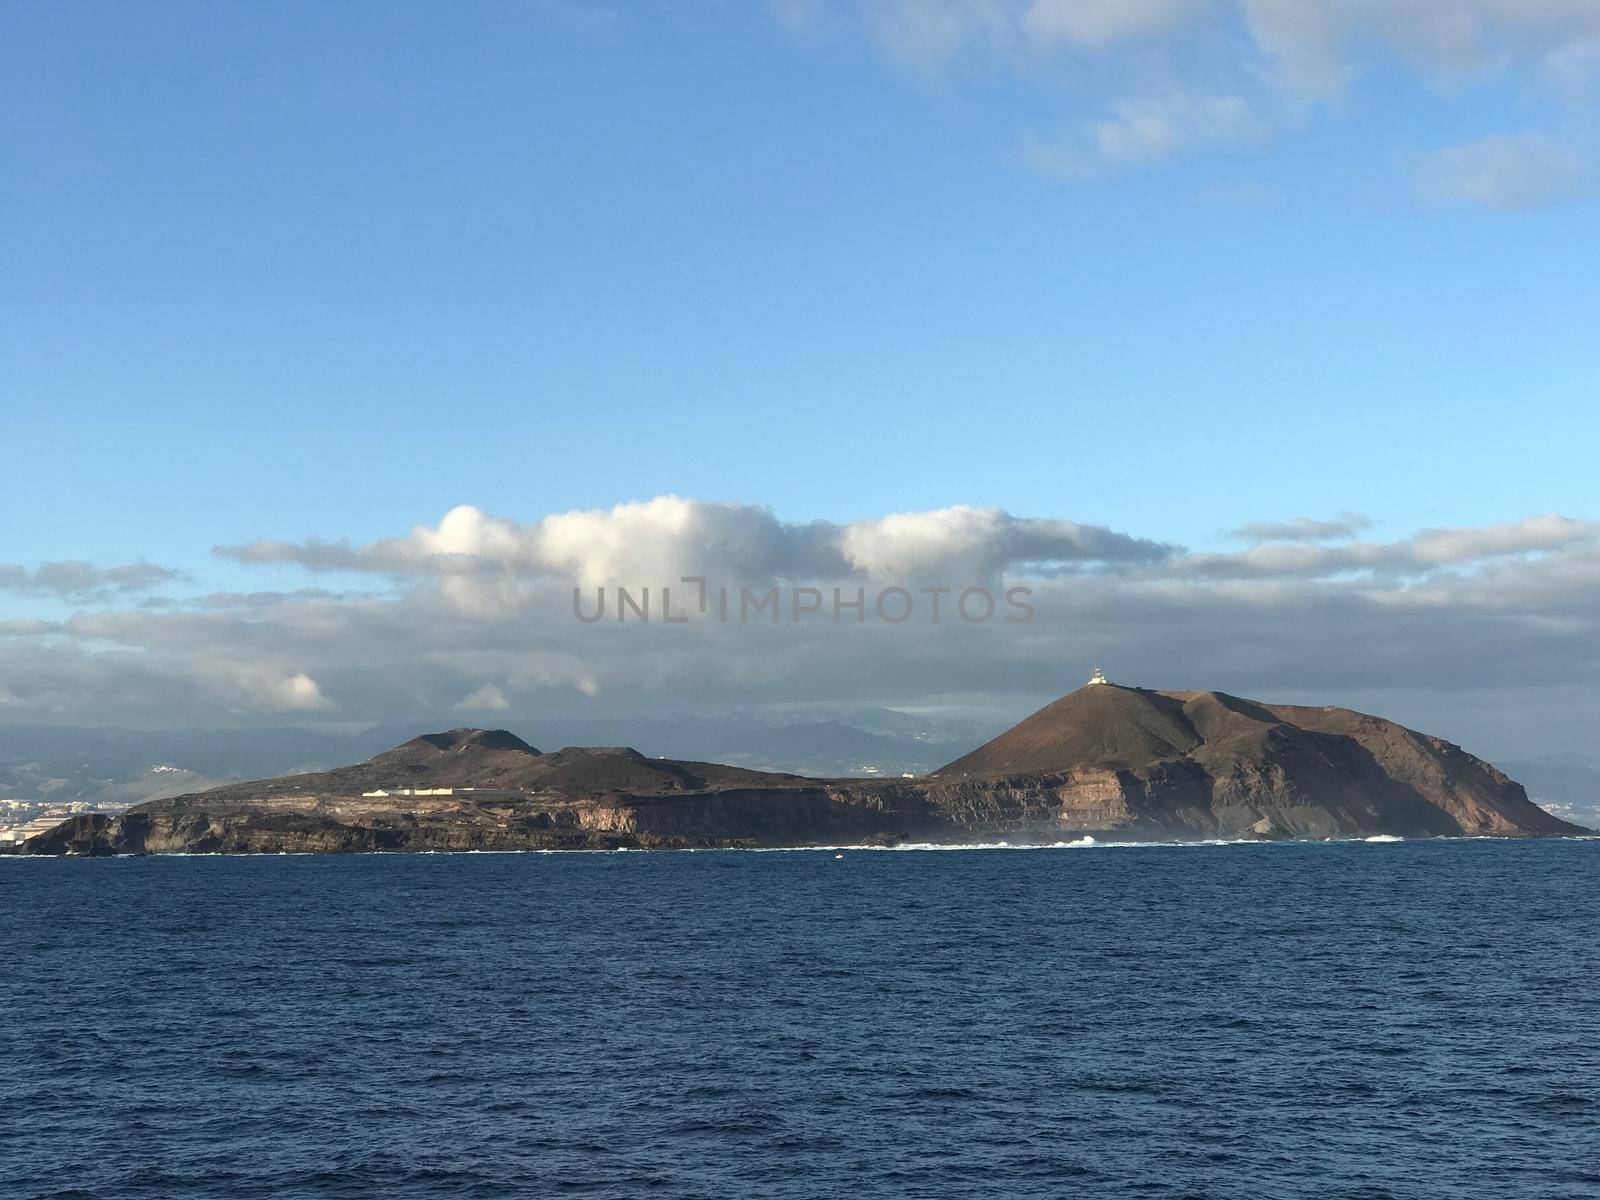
pixel 1106 761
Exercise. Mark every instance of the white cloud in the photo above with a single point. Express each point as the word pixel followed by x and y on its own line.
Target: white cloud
pixel 1421 554
pixel 1224 71
pixel 927 35
pixel 1549 532
pixel 1312 49
pixel 1308 49
pixel 976 544
pixel 1142 130
pixel 1304 529
pixel 28 627
pixel 1571 68
pixel 1137 131
pixel 1303 44
pixel 1098 23
pixel 490 564
pixel 76 580
pixel 1502 171
pixel 488 698
pixel 298 693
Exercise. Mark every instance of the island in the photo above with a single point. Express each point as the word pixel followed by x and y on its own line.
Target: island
pixel 1106 762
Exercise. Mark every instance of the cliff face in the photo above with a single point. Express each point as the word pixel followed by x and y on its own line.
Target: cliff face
pixel 1104 761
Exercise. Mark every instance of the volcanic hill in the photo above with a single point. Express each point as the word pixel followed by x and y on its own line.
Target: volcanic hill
pixel 1304 771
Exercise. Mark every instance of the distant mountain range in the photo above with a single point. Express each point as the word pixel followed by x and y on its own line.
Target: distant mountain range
pixel 1103 761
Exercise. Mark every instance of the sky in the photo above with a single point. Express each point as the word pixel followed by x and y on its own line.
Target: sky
pixel 1098 298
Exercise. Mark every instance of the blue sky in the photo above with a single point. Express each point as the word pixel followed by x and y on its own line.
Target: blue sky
pixel 299 270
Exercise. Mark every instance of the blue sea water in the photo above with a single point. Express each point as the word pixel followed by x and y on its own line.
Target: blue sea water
pixel 1416 1019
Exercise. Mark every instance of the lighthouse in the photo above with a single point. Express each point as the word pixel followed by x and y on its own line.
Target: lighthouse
pixel 1099 676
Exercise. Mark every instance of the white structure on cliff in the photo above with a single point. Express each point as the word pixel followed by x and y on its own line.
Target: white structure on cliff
pixel 486 792
pixel 1099 676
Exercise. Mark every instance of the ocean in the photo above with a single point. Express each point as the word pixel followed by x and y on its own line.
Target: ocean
pixel 1402 1019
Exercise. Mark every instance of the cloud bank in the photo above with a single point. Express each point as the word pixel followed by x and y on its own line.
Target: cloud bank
pixel 659 540
pixel 472 618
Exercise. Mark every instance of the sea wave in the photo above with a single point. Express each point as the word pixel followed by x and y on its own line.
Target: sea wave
pixel 1086 842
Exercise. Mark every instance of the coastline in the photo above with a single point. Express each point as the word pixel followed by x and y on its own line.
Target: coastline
pixel 842 848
